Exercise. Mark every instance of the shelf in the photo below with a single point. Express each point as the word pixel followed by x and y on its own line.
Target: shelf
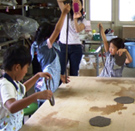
pixel 11 7
pixel 27 6
pixel 41 7
pixel 8 42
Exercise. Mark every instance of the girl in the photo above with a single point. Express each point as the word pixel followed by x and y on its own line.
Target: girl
pixel 47 53
pixel 115 46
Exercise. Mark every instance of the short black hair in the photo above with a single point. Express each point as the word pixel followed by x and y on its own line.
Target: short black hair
pixel 118 42
pixel 44 32
pixel 16 54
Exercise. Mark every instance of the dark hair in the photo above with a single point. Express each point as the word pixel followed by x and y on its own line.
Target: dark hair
pixel 118 42
pixel 71 11
pixel 16 54
pixel 44 31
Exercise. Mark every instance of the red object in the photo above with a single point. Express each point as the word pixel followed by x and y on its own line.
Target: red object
pixel 76 7
pixel 101 54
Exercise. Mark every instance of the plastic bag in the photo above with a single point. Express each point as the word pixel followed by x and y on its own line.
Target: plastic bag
pixel 8 2
pixel 15 26
pixel 86 63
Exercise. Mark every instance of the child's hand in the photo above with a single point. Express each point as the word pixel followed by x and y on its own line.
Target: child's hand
pixel 45 74
pixel 120 51
pixel 77 15
pixel 66 8
pixel 46 94
pixel 100 26
pixel 76 8
pixel 63 79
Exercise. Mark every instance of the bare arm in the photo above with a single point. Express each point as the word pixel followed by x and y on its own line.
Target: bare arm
pixel 14 105
pixel 61 5
pixel 59 24
pixel 29 83
pixel 129 58
pixel 76 16
pixel 106 46
pixel 78 27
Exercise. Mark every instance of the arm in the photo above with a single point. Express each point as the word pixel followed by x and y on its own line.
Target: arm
pixel 129 58
pixel 14 105
pixel 59 24
pixel 29 83
pixel 78 27
pixel 76 15
pixel 62 77
pixel 106 46
pixel 61 5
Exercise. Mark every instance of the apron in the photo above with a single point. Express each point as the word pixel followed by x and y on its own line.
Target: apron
pixel 13 121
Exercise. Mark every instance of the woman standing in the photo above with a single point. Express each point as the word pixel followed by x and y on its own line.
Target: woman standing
pixel 77 23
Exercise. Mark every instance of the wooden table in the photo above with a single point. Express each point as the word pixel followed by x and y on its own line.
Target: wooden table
pixel 82 99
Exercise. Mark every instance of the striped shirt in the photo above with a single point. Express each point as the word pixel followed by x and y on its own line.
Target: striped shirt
pixel 111 69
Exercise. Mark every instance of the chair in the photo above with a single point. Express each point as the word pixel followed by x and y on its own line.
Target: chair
pixel 30 109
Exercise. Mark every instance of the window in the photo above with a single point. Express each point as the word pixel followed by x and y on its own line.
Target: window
pixel 127 10
pixel 100 10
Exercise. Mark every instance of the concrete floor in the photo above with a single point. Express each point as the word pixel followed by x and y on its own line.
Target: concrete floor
pixel 128 72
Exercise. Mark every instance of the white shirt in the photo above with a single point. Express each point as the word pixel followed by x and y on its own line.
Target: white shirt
pixel 8 91
pixel 73 36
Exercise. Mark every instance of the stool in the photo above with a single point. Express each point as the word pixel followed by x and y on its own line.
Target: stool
pixel 30 109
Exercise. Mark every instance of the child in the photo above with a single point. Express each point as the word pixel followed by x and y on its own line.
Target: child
pixel 16 61
pixel 115 46
pixel 47 52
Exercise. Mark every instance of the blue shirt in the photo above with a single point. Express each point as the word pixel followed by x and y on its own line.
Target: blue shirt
pixel 49 61
pixel 111 69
